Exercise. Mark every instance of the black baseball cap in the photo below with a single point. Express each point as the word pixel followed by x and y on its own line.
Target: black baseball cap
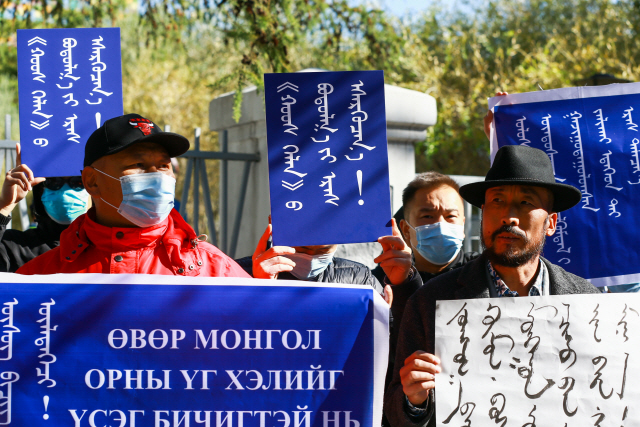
pixel 118 133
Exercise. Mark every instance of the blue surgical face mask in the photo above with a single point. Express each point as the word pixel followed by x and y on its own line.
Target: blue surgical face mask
pixel 308 266
pixel 147 198
pixel 439 243
pixel 65 204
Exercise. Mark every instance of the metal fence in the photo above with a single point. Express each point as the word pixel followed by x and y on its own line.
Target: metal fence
pixel 196 178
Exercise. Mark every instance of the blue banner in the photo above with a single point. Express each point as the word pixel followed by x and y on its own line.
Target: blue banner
pixel 70 82
pixel 328 165
pixel 96 350
pixel 593 143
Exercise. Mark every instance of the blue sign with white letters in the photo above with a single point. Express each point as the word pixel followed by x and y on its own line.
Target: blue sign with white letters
pixel 328 165
pixel 592 139
pixel 70 82
pixel 189 351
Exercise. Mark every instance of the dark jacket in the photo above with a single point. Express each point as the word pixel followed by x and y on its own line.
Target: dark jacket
pixel 417 330
pixel 339 271
pixel 402 293
pixel 19 247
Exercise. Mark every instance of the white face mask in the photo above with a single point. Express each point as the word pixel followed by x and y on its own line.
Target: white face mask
pixel 308 266
pixel 147 198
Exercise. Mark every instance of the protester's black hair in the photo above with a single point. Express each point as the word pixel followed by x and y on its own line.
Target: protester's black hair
pixel 38 207
pixel 429 180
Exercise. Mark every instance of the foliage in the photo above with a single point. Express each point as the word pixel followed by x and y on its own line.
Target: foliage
pixel 514 46
pixel 179 54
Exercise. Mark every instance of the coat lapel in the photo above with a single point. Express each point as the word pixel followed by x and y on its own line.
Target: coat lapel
pixel 473 281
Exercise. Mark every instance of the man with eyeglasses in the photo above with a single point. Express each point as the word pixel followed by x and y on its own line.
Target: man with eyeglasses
pixel 56 203
pixel 132 226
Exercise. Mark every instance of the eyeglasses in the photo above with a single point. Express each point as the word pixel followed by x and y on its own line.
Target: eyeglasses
pixel 56 183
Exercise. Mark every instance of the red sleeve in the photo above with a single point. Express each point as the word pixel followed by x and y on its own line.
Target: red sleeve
pixel 234 270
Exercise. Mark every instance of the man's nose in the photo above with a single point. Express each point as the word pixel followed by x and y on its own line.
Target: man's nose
pixel 510 216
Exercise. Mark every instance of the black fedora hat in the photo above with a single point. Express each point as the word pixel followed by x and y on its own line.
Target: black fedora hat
pixel 522 165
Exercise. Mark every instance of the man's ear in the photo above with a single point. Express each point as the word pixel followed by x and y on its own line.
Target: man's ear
pixel 406 233
pixel 551 227
pixel 90 181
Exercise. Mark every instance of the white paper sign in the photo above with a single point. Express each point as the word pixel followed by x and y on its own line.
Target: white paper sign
pixel 539 361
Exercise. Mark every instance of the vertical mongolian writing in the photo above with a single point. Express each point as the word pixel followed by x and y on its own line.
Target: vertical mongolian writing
pixel 359 116
pixel 532 343
pixel 39 97
pixel 579 165
pixel 575 357
pixel 462 317
pixel 522 132
pixel 97 68
pixel 561 232
pixel 635 160
pixel 44 342
pixel 7 378
pixel 8 329
pixel 548 145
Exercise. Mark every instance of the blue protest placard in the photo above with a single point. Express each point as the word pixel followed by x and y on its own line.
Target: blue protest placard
pixel 328 164
pixel 591 136
pixel 95 350
pixel 70 82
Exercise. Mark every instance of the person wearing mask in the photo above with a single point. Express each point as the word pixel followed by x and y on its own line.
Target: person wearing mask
pixel 56 203
pixel 519 199
pixel 132 226
pixel 308 263
pixel 432 229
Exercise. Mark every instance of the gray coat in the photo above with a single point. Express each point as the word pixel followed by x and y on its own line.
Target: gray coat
pixel 417 331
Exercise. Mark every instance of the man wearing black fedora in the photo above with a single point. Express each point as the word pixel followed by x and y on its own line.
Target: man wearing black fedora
pixel 519 199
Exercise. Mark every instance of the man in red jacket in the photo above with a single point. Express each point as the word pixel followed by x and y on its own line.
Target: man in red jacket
pixel 132 227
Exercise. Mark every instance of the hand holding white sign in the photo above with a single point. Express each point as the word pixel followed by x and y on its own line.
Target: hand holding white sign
pixel 418 376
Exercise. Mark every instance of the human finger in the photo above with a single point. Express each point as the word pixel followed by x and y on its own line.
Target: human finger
pixel 18 154
pixel 393 255
pixel 262 243
pixel 417 376
pixel 395 231
pixel 277 265
pixel 20 178
pixel 423 355
pixel 275 251
pixel 393 242
pixel 27 170
pixel 388 295
pixel 502 93
pixel 416 392
pixel 276 259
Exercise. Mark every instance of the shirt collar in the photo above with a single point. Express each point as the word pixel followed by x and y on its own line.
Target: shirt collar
pixel 540 286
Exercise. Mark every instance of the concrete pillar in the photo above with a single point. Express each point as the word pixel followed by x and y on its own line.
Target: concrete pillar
pixel 409 113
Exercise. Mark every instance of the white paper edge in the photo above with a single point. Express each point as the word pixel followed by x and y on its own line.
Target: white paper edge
pixel 626 279
pixel 380 354
pixel 160 279
pixel 565 93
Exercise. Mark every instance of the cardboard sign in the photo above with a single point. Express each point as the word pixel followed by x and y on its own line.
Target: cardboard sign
pixel 591 136
pixel 70 82
pixel 545 361
pixel 328 164
pixel 149 350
